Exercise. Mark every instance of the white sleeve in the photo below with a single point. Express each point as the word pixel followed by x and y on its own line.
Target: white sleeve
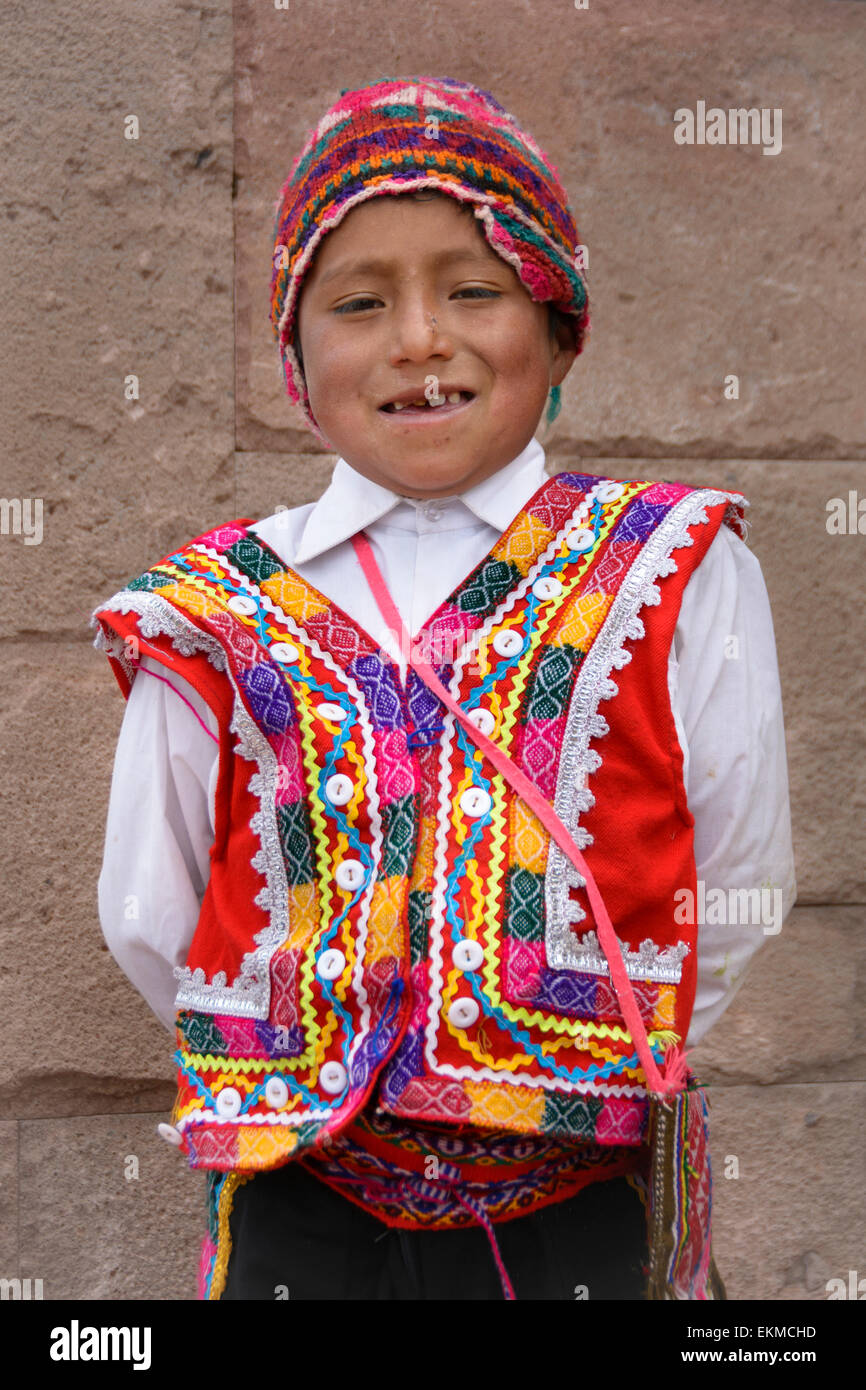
pixel 727 702
pixel 159 831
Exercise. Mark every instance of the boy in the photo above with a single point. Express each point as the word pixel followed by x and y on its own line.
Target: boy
pixel 396 1014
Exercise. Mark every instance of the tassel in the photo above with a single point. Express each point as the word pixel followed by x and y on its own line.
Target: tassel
pixel 554 404
pixel 675 1072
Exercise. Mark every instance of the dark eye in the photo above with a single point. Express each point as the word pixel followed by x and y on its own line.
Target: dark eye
pixel 479 289
pixel 353 304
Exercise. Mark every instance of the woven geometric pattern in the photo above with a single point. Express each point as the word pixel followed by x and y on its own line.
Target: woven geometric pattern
pixel 419 904
pixel 269 698
pixel 487 586
pixel 552 684
pixel 524 905
pixel 399 824
pixel 406 1173
pixel 294 827
pixel 249 557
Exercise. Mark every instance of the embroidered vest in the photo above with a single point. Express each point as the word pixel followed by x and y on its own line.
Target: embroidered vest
pixel 385 921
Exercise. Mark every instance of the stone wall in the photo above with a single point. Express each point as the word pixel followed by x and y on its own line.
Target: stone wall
pixel 150 257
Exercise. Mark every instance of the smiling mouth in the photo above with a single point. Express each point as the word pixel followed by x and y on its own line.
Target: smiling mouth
pixel 422 406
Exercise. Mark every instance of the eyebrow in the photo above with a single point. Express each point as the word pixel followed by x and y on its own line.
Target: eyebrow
pixel 373 265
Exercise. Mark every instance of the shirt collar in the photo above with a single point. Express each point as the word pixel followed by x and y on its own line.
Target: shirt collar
pixel 351 502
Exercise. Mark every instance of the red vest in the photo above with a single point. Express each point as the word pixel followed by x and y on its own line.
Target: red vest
pixel 385 920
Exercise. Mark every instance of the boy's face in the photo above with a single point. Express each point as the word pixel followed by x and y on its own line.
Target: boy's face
pixel 367 337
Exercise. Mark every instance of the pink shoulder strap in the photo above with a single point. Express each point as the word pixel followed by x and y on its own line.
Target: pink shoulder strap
pixel 675 1066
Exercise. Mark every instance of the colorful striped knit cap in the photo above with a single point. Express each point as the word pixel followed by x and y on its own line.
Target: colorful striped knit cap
pixel 433 132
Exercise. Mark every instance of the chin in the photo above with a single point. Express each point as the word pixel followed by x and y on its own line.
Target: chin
pixel 434 476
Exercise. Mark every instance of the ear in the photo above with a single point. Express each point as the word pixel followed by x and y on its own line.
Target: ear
pixel 562 347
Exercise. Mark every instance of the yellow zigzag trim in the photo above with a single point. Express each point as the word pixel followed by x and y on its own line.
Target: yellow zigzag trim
pixel 230 1066
pixel 473 881
pixel 169 568
pixel 665 1036
pixel 194 1106
pixel 320 1036
pixel 602 1054
pixel 479 1048
pixel 209 565
pixel 498 862
pixel 471 930
pixel 322 860
pixel 207 1061
pixel 332 1022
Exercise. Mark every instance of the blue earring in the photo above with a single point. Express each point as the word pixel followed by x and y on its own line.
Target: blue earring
pixel 554 404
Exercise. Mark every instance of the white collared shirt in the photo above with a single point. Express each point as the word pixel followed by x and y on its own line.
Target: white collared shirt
pixel 727 712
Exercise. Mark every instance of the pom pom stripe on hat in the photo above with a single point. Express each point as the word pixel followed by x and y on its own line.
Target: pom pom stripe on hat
pixel 425 132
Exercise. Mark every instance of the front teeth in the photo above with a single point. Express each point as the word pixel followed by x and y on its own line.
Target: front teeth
pixel 454 399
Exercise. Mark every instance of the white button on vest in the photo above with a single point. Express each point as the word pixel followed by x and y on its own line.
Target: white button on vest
pixel 333 1077
pixel 548 587
pixel 228 1102
pixel 609 492
pixel 276 1092
pixel 467 955
pixel 350 873
pixel 339 789
pixel 508 642
pixel 475 802
pixel 331 964
pixel 284 651
pixel 483 719
pixel 335 713
pixel 169 1133
pixel 581 539
pixel 238 603
pixel 463 1013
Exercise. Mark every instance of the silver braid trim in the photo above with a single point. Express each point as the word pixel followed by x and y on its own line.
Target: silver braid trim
pixel 249 995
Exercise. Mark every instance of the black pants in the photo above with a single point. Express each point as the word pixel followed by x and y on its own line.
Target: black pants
pixel 292 1236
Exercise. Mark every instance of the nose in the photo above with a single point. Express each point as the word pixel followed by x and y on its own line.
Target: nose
pixel 417 333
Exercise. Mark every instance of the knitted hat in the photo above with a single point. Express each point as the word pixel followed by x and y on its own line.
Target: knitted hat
pixel 426 132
